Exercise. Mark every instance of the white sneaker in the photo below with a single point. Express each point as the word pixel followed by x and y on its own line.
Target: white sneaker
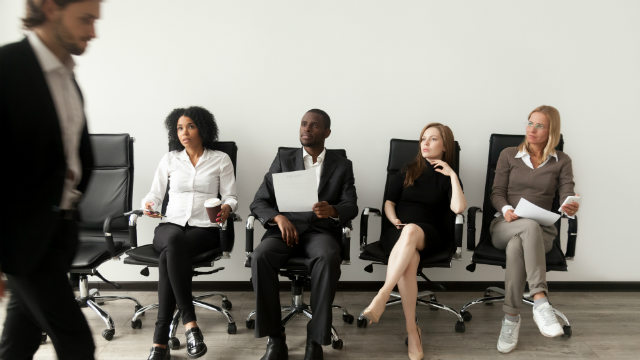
pixel 546 320
pixel 508 335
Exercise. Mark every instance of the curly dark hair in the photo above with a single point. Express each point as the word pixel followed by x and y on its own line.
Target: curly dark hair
pixel 204 120
pixel 325 117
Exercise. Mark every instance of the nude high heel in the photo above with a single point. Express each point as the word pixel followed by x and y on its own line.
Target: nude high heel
pixel 374 311
pixel 419 355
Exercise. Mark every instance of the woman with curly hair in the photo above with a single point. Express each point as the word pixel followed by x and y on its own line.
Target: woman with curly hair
pixel 197 172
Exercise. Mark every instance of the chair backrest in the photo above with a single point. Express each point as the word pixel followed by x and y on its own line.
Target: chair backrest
pixel 497 143
pixel 227 237
pixel 110 189
pixel 401 153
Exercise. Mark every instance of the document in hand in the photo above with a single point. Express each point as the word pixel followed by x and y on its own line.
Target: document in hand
pixel 296 190
pixel 529 210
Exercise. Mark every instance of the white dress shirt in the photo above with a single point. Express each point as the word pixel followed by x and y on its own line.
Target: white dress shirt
pixel 308 163
pixel 68 104
pixel 526 158
pixel 191 185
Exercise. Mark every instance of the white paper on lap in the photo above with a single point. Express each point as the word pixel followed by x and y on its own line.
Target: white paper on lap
pixel 529 210
pixel 296 191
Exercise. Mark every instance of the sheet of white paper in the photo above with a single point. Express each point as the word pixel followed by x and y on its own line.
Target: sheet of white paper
pixel 529 210
pixel 296 190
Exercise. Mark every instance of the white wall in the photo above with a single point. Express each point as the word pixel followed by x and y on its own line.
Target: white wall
pixel 381 69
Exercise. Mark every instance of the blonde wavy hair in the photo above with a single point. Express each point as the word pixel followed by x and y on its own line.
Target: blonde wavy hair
pixel 553 115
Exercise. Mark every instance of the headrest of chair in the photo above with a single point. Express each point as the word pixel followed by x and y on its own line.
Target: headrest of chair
pixel 111 150
pixel 499 142
pixel 402 152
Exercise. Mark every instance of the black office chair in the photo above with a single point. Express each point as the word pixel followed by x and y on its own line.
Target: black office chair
pixel 296 270
pixel 402 152
pixel 147 256
pixel 485 253
pixel 100 239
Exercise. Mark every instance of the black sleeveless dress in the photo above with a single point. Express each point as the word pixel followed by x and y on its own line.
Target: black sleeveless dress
pixel 426 203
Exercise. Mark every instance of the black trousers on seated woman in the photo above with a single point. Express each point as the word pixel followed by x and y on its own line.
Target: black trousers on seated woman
pixel 177 245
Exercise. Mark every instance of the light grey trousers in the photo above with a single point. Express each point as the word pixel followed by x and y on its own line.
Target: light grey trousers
pixel 526 242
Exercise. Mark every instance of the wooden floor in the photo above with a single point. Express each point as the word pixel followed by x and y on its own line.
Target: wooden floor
pixel 605 326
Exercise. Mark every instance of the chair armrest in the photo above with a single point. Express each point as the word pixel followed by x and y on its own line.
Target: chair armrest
pixel 459 228
pixel 227 237
pixel 364 224
pixel 108 236
pixel 572 236
pixel 346 245
pixel 471 227
pixel 248 245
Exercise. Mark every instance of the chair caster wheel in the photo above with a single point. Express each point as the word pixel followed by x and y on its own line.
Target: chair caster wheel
pixel 460 327
pixel 43 338
pixel 567 330
pixel 137 324
pixel 466 316
pixel 231 328
pixel 338 344
pixel 362 323
pixel 348 318
pixel 174 343
pixel 226 304
pixel 251 324
pixel 138 307
pixel 108 334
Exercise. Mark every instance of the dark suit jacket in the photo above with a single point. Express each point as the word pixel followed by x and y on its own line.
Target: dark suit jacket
pixel 336 187
pixel 34 164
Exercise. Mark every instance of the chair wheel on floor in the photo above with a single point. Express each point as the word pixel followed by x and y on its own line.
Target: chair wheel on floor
pixel 348 318
pixel 136 324
pixel 138 307
pixel 174 343
pixel 338 344
pixel 231 328
pixel 251 324
pixel 466 316
pixel 361 323
pixel 460 327
pixel 226 304
pixel 567 330
pixel 108 334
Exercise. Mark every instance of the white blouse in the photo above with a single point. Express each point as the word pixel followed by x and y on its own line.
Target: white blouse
pixel 191 185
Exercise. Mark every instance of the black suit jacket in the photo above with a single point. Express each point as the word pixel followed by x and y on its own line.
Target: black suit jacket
pixel 34 164
pixel 336 187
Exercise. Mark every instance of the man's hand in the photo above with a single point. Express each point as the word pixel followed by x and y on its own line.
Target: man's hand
pixel 510 215
pixel 288 231
pixel 323 210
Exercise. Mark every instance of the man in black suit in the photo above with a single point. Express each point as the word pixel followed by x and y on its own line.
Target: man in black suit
pixel 48 166
pixel 314 235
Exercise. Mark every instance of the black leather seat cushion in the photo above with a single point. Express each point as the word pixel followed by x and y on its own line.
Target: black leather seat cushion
pixel 92 248
pixel 485 253
pixel 147 255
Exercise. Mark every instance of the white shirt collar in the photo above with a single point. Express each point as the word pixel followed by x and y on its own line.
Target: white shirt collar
pixel 48 61
pixel 524 153
pixel 319 159
pixel 526 158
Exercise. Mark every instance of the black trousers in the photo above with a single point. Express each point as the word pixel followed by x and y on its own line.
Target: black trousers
pixel 177 245
pixel 322 252
pixel 44 301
